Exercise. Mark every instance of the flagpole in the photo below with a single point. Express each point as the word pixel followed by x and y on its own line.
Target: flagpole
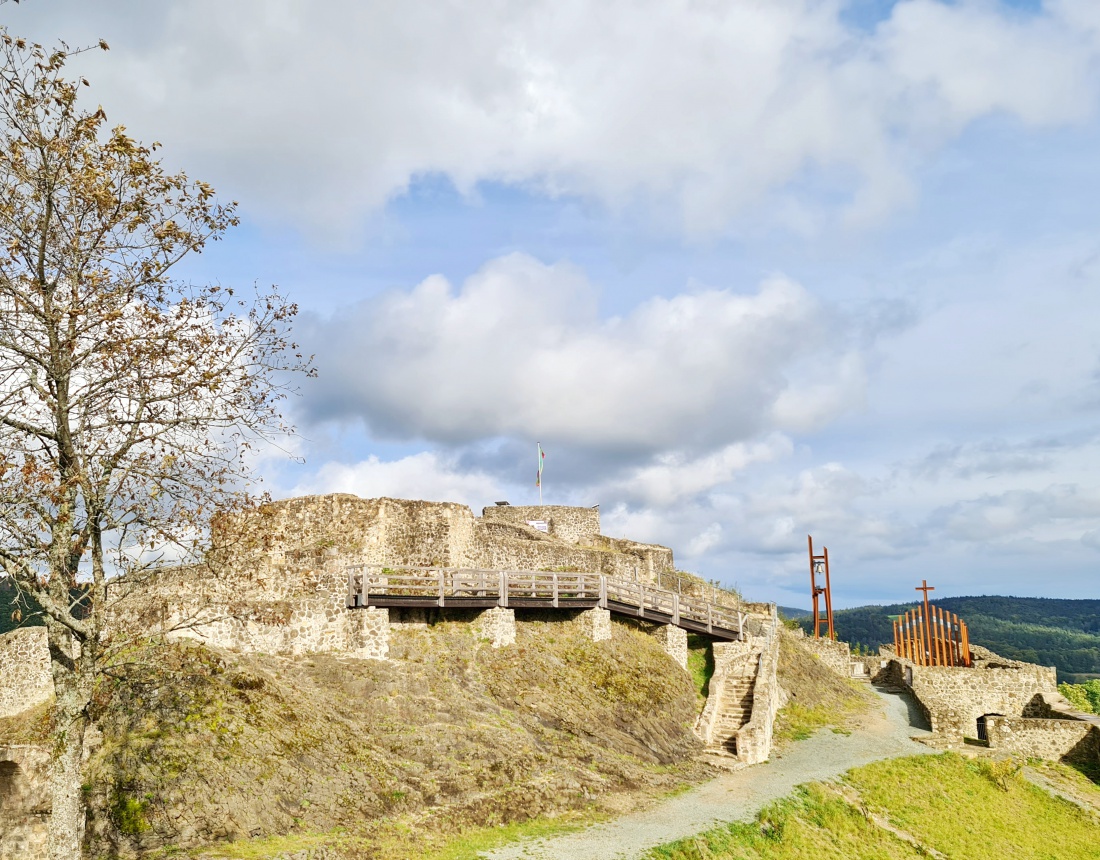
pixel 538 476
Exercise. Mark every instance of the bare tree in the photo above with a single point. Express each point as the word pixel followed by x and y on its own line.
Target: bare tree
pixel 129 401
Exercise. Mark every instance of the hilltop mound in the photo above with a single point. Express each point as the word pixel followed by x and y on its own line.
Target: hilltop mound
pixel 203 745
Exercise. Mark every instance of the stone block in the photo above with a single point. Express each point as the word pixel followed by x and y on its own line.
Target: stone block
pixel 675 642
pixel 498 625
pixel 369 633
pixel 595 623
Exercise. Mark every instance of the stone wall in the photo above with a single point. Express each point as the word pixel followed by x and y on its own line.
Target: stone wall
pixel 954 697
pixel 836 655
pixel 24 802
pixel 25 677
pixel 1073 740
pixel 297 546
pixel 573 525
pixel 300 626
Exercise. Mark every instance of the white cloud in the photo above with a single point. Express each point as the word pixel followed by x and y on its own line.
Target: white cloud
pixel 520 351
pixel 426 475
pixel 319 113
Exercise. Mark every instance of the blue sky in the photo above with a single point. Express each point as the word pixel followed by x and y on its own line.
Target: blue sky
pixel 748 270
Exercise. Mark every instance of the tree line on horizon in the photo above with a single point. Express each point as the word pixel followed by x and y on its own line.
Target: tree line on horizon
pixel 1046 631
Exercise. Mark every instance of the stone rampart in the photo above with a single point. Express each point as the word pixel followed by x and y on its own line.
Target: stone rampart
pixel 25 676
pixel 1054 739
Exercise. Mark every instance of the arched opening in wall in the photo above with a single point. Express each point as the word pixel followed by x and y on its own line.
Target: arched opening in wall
pixel 983 729
pixel 13 788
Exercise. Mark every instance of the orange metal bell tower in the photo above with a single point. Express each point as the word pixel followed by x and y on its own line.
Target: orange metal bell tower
pixel 819 567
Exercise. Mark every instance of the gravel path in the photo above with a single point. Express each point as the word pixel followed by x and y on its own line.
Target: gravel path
pixel 737 796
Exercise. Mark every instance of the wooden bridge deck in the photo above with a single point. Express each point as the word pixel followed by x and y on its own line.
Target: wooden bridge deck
pixel 483 589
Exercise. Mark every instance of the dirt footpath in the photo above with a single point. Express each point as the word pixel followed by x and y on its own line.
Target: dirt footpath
pixel 739 795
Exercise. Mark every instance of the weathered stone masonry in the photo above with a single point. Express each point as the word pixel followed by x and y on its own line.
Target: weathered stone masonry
pixel 25 679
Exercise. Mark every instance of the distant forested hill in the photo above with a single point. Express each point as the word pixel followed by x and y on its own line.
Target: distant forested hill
pixel 13 607
pixel 1061 633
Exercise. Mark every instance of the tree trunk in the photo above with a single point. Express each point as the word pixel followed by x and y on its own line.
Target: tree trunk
pixel 71 687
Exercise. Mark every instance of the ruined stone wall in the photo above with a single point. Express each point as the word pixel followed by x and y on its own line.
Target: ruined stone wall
pixel 25 678
pixel 1051 739
pixel 836 655
pixel 954 697
pixel 573 525
pixel 299 626
pixel 24 802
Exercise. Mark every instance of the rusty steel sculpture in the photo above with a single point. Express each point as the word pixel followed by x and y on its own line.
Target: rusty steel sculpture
pixel 931 636
pixel 819 566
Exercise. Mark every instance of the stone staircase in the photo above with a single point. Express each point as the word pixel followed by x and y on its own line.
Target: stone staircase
pixel 734 711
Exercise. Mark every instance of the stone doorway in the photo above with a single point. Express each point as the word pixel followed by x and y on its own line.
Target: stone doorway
pixel 13 789
pixel 22 823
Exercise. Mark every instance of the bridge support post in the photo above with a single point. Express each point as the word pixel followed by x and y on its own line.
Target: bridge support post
pixel 369 633
pixel 498 625
pixel 595 623
pixel 675 642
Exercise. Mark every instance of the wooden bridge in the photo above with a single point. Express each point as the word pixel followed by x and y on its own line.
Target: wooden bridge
pixel 455 588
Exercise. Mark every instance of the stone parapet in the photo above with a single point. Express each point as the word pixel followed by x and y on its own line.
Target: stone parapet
pixel 25 676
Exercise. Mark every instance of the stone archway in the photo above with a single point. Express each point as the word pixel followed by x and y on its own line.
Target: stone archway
pixel 13 789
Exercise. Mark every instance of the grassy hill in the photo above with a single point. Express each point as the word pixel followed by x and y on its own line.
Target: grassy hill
pixel 922 806
pixel 1061 633
pixel 384 759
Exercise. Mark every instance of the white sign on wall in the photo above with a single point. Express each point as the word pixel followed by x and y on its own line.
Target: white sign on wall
pixel 541 525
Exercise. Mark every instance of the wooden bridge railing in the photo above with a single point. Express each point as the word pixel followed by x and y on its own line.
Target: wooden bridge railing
pixel 549 588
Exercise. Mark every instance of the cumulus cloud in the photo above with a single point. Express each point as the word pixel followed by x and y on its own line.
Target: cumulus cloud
pixel 427 475
pixel 319 113
pixel 520 350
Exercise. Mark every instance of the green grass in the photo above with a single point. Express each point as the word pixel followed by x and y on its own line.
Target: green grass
pixel 798 722
pixel 908 808
pixel 700 665
pixel 399 839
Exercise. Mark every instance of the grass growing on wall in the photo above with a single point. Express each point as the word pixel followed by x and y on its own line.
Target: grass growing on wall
pixel 909 808
pixel 700 665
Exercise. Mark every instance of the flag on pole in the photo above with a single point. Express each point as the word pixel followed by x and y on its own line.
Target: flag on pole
pixel 542 461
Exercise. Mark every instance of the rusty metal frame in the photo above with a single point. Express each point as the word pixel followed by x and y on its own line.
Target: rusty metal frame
pixel 819 564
